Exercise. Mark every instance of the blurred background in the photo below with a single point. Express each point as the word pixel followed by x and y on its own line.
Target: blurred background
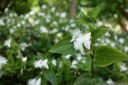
pixel 34 26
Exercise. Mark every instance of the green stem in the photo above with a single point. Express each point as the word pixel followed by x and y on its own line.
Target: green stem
pixel 92 67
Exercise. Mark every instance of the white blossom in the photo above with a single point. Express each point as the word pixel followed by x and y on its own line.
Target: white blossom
pixel 78 44
pixel 53 9
pixel 43 29
pixel 41 63
pixel 67 56
pixel 7 43
pixel 87 40
pixel 59 35
pixel 3 61
pixel 24 59
pixel 123 67
pixel 23 46
pixel 126 49
pixel 54 62
pixel 121 40
pixel 73 65
pixel 63 15
pixel 75 34
pixel 79 57
pixel 80 39
pixel 44 6
pixel 1 22
pixel 110 81
pixel 34 81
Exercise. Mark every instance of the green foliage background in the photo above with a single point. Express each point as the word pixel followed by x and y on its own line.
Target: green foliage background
pixel 22 21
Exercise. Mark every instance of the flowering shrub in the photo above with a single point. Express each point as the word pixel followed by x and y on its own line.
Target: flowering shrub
pixel 26 40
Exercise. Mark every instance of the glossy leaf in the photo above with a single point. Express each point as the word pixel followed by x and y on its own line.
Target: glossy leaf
pixel 95 12
pixel 84 80
pixel 64 46
pixel 99 32
pixel 106 55
pixel 50 76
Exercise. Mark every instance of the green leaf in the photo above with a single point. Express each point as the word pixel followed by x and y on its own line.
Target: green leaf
pixel 1 73
pixel 87 65
pixel 84 80
pixel 99 32
pixel 50 76
pixel 10 60
pixel 95 12
pixel 64 46
pixel 106 55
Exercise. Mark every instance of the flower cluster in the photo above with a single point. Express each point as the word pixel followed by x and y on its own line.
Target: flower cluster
pixel 81 40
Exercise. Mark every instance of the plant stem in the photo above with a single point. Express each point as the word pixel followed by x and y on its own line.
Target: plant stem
pixel 92 67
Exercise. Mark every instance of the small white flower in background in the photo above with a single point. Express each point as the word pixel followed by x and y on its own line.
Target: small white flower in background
pixel 126 49
pixel 44 6
pixel 1 22
pixel 79 39
pixel 41 63
pixel 67 56
pixel 109 81
pixel 12 30
pixel 123 67
pixel 7 43
pixel 54 62
pixel 108 34
pixel 112 44
pixel 53 9
pixel 59 35
pixel 34 81
pixel 121 40
pixel 43 29
pixel 3 61
pixel 73 65
pixel 41 14
pixel 23 46
pixel 54 23
pixel 63 15
pixel 24 59
pixel 79 57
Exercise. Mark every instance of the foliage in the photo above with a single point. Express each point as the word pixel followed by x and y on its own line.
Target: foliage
pixel 27 38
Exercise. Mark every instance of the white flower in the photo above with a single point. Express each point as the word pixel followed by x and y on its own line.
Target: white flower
pixel 44 6
pixel 79 57
pixel 1 22
pixel 123 67
pixel 24 59
pixel 126 49
pixel 78 44
pixel 67 56
pixel 43 29
pixel 54 62
pixel 73 65
pixel 12 30
pixel 80 39
pixel 23 46
pixel 121 40
pixel 87 40
pixel 3 61
pixel 7 43
pixel 75 34
pixel 110 81
pixel 41 63
pixel 63 15
pixel 59 35
pixel 53 9
pixel 34 81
